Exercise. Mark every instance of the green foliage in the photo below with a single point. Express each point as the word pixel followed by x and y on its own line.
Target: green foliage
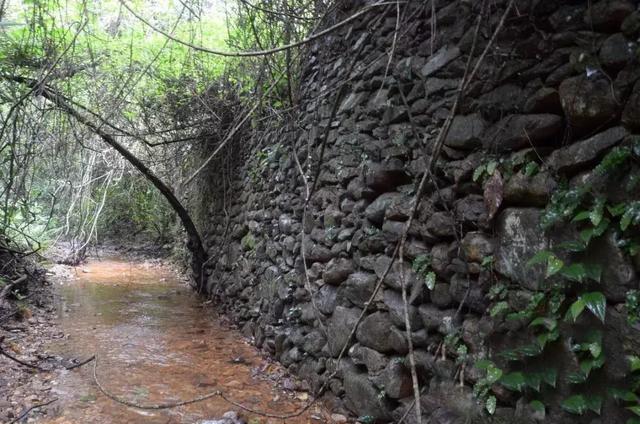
pixel 632 303
pixel 422 266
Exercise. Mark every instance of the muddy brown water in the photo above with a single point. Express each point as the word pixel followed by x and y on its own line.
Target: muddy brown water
pixel 157 343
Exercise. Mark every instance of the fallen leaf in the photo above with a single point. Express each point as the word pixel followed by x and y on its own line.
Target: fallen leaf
pixel 493 193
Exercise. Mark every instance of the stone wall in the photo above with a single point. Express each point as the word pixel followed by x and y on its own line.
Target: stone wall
pixel 540 154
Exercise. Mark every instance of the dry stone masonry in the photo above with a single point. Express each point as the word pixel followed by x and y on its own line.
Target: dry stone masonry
pixel 547 129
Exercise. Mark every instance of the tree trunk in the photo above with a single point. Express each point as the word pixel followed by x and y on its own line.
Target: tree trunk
pixel 194 244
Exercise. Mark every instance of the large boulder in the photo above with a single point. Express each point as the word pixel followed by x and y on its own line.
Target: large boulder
pixel 377 332
pixel 362 397
pixel 358 288
pixel 608 15
pixel 466 132
pixel 375 212
pixel 585 152
pixel 339 328
pixel 519 239
pixel 386 176
pixel 588 103
pixel 519 131
pixel 337 271
pixel 393 301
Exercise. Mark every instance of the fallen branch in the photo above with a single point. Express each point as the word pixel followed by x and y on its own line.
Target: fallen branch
pixel 14 359
pixel 78 365
pixel 25 413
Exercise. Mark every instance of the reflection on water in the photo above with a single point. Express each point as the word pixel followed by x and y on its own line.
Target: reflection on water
pixel 156 344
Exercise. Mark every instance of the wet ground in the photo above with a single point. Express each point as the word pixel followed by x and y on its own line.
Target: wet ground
pixel 156 343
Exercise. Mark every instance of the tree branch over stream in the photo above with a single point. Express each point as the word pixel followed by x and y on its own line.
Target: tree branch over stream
pixel 194 244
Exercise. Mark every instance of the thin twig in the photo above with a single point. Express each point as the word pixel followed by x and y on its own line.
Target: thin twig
pixel 25 413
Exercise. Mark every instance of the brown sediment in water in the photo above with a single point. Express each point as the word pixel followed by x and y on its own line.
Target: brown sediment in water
pixel 156 344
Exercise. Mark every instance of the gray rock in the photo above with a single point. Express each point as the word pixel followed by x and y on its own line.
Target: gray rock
pixel 519 239
pixel 339 328
pixel 317 253
pixel 519 131
pixel 585 152
pixel 376 210
pixel 521 190
pixel 435 319
pixel 358 288
pixel 477 246
pixel 373 360
pixel 471 210
pixel 362 398
pixel 394 303
pixel 230 417
pixel 377 332
pixel 631 113
pixel 616 52
pixel 441 224
pixel 382 177
pixel 587 103
pixel 440 59
pixel 440 295
pixel 468 291
pixel 325 299
pixel 337 270
pixel 396 379
pixel 545 100
pixel 608 15
pixel 618 273
pixel 466 132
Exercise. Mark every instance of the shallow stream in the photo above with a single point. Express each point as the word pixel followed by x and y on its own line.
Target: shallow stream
pixel 157 343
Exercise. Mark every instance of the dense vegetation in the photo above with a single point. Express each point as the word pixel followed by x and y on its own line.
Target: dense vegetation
pixel 145 73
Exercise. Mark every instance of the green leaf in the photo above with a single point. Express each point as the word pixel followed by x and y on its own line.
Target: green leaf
pixel 483 364
pixel 576 404
pixel 576 309
pixel 594 403
pixel 634 362
pixel 533 380
pixel 597 212
pixel 491 167
pixel 549 376
pixel 539 258
pixel 531 169
pixel 478 172
pixel 576 377
pixel 490 404
pixel 531 350
pixel 493 374
pixel 499 308
pixel 634 409
pixel 538 407
pixel 430 280
pixel 624 395
pixel 596 302
pixel 594 272
pixel 548 323
pixel 514 381
pixel 581 216
pixel 554 265
pixel 574 272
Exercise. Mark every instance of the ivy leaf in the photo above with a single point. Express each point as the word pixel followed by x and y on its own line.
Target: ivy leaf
pixel 597 212
pixel 490 404
pixel 531 169
pixel 581 216
pixel 624 395
pixel 514 381
pixel 594 272
pixel 634 409
pixel 594 403
pixel 549 376
pixel 554 265
pixel 576 377
pixel 533 380
pixel 531 350
pixel 548 323
pixel 540 257
pixel 576 404
pixel 576 309
pixel 574 272
pixel 596 303
pixel 430 280
pixel 478 172
pixel 499 308
pixel 538 407
pixel 634 362
pixel 491 167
